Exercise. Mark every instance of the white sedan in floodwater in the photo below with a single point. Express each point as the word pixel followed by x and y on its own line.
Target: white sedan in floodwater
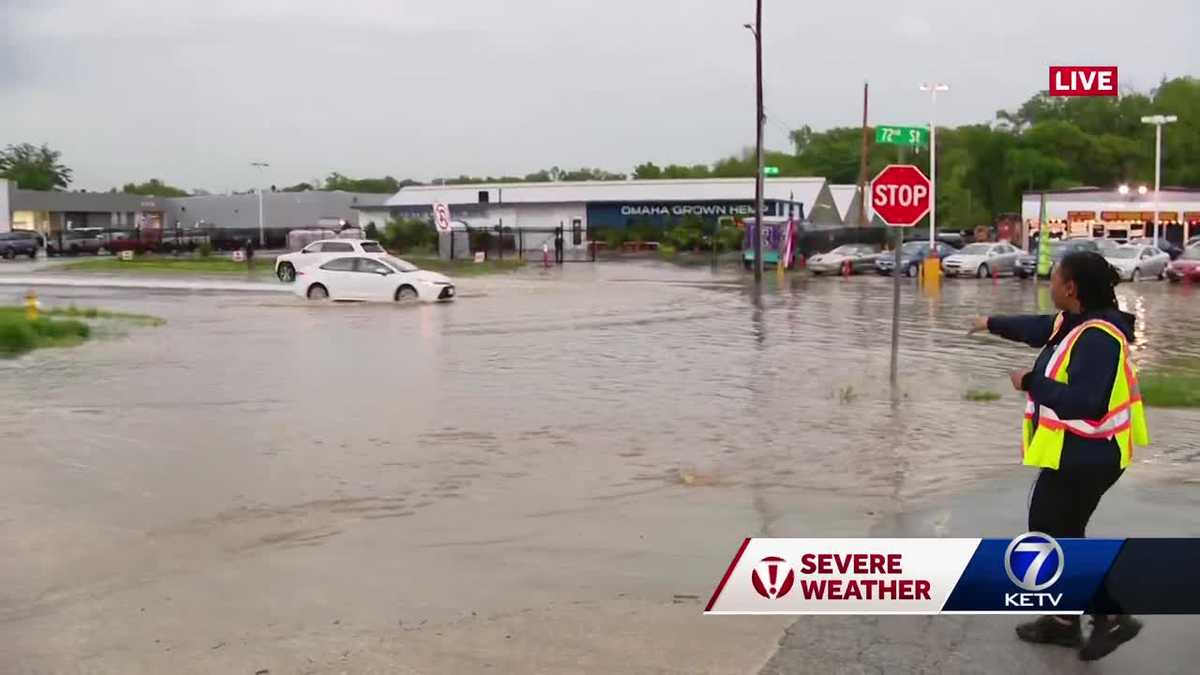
pixel 379 278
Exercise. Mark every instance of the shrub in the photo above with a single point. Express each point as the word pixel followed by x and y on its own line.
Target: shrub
pixel 205 249
pixel 407 233
pixel 16 336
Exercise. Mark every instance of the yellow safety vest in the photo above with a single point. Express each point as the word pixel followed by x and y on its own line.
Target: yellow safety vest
pixel 1125 420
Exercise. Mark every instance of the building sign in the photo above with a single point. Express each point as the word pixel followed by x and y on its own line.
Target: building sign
pixel 1126 215
pixel 1191 216
pixel 680 210
pixel 669 214
pixel 1075 216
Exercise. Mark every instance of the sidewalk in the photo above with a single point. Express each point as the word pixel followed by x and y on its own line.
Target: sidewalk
pixel 986 644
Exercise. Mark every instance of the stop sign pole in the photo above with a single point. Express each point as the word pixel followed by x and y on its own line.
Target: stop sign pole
pixel 900 195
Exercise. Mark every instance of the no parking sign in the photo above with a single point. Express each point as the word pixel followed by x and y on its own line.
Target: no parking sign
pixel 441 216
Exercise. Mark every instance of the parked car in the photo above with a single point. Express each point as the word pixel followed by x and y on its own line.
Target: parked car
pixel 1172 249
pixel 321 252
pixel 13 244
pixel 1135 263
pixel 861 258
pixel 1027 265
pixel 1186 266
pixel 982 260
pixel 912 254
pixel 74 242
pixel 380 278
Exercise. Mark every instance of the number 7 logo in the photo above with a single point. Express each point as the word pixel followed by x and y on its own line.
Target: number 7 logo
pixel 1042 545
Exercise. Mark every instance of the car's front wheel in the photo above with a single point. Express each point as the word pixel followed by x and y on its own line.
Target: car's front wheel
pixel 1162 274
pixel 1136 276
pixel 406 293
pixel 983 272
pixel 910 271
pixel 286 273
pixel 317 292
pixel 9 254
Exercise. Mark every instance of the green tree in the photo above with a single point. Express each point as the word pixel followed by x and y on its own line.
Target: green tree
pixel 647 171
pixel 154 187
pixel 34 168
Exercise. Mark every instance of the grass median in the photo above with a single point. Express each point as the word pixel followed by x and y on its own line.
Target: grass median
pixel 64 327
pixel 154 264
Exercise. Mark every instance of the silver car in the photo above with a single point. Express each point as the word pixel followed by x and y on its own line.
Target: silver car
pixel 982 260
pixel 1135 263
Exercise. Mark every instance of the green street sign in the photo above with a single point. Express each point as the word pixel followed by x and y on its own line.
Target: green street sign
pixel 770 171
pixel 902 135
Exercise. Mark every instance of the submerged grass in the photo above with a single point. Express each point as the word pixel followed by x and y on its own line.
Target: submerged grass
pixel 981 395
pixel 55 327
pixel 1171 389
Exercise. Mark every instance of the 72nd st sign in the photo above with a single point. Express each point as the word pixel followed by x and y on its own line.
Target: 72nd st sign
pixel 900 195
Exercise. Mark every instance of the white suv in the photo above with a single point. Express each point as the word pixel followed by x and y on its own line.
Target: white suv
pixel 321 252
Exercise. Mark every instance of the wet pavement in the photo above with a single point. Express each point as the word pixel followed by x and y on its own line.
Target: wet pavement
pixel 547 475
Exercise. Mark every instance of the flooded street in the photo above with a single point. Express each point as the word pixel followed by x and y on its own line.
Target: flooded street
pixel 558 466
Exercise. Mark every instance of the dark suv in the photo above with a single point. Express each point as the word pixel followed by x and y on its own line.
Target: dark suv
pixel 13 244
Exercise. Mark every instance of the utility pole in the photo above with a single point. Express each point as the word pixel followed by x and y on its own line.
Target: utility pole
pixel 1158 121
pixel 933 90
pixel 760 119
pixel 262 232
pixel 862 165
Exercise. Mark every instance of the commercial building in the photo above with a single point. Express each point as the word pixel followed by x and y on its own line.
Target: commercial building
pixel 538 209
pixel 53 212
pixel 1116 213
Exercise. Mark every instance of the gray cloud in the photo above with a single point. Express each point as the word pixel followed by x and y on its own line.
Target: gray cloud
pixel 192 91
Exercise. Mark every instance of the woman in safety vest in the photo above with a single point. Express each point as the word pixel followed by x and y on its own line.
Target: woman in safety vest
pixel 1083 417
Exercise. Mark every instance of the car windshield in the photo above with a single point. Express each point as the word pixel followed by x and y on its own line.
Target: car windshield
pixel 1192 253
pixel 402 265
pixel 976 249
pixel 1125 252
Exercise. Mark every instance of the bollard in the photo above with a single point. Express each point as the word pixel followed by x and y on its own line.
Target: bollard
pixel 846 269
pixel 32 305
pixel 931 272
pixel 995 277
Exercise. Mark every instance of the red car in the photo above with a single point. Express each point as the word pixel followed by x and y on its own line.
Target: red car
pixel 1186 266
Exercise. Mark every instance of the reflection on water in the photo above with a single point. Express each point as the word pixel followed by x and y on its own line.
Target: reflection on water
pixel 631 372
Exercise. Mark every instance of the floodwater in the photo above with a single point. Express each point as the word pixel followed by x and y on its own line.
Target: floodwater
pixel 260 467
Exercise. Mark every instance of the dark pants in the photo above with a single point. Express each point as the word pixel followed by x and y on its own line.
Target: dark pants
pixel 1063 501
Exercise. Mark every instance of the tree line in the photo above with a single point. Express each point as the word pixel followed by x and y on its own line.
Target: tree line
pixel 1045 143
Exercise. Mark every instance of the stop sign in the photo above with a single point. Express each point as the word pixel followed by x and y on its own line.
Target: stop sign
pixel 900 195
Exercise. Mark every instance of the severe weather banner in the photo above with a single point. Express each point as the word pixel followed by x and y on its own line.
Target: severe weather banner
pixel 1030 574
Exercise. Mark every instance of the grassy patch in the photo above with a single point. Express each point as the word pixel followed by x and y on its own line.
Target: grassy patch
pixel 463 268
pixel 1171 389
pixel 847 394
pixel 981 395
pixel 56 327
pixel 154 264
pixel 19 335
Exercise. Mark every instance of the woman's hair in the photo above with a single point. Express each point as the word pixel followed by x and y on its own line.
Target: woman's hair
pixel 1094 279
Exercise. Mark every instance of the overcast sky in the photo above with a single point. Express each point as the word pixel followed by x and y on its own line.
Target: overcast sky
pixel 192 91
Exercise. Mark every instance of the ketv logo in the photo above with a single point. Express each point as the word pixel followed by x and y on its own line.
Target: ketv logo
pixel 1034 562
pixel 1083 80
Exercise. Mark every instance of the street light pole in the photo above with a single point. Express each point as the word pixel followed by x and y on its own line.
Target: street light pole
pixel 262 231
pixel 1158 121
pixel 758 146
pixel 933 90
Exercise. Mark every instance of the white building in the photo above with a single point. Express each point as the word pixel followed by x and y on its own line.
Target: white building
pixel 538 209
pixel 1114 212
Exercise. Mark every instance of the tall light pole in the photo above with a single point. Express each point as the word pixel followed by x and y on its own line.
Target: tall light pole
pixel 1158 121
pixel 758 146
pixel 933 90
pixel 262 232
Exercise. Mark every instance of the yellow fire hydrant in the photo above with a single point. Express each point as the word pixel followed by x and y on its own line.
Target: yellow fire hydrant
pixel 32 305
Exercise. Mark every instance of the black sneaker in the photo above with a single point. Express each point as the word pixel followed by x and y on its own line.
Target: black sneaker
pixel 1050 630
pixel 1108 633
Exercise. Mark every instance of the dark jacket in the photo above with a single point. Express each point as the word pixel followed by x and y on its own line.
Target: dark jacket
pixel 1090 375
